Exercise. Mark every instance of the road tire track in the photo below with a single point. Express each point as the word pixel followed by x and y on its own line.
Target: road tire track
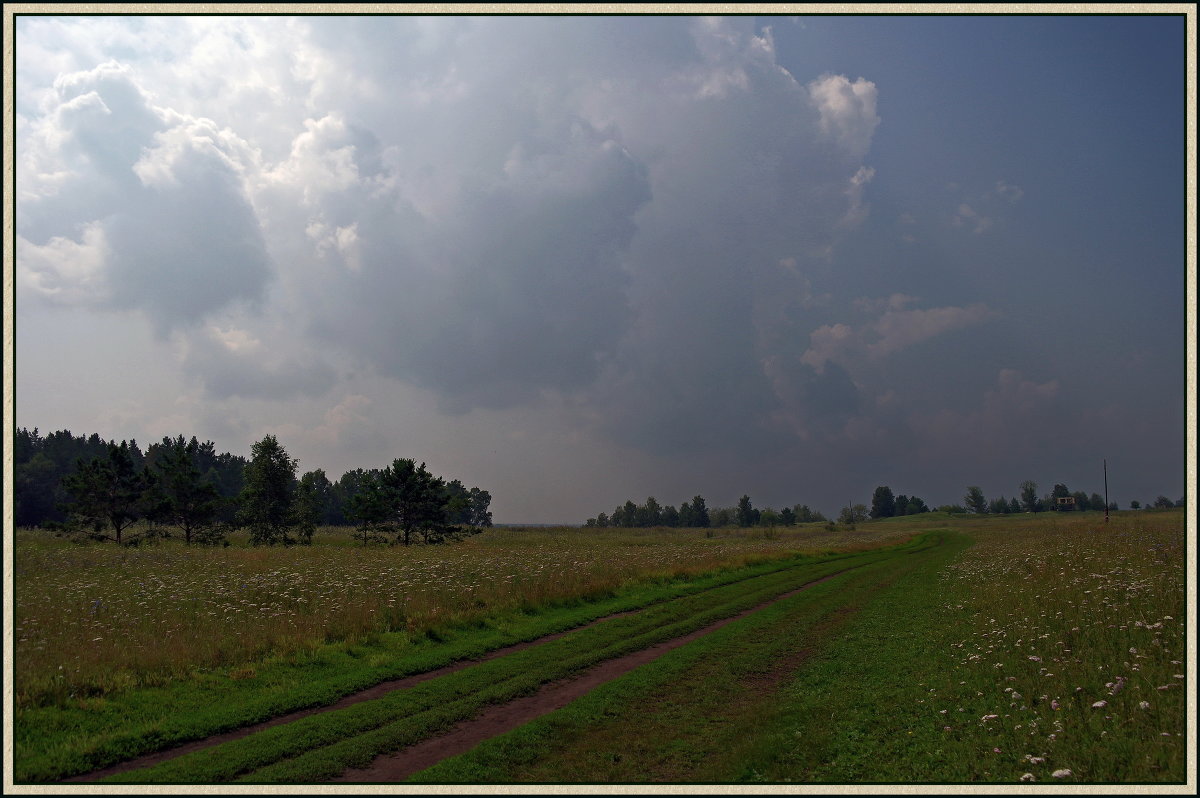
pixel 371 693
pixel 498 719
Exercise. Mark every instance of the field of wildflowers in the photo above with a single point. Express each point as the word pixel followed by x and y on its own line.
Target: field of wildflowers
pixel 1070 637
pixel 1052 651
pixel 92 619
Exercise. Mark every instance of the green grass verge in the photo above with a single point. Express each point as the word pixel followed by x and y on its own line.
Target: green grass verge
pixel 320 747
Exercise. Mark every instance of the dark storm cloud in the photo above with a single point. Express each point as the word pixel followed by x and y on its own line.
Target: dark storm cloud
pixel 565 209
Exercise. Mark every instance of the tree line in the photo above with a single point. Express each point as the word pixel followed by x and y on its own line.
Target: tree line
pixel 697 514
pixel 1027 500
pixel 100 489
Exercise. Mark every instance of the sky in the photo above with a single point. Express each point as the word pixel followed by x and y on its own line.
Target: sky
pixel 580 260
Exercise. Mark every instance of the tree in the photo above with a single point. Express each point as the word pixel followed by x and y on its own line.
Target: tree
pixel 804 515
pixel 1095 502
pixel 746 514
pixel 1060 492
pixel 108 493
pixel 1083 503
pixel 1135 505
pixel 854 514
pixel 699 513
pixel 768 517
pixel 402 500
pixel 723 516
pixel 1162 503
pixel 267 504
pixel 787 516
pixel 314 502
pixel 975 501
pixel 670 516
pixel 184 499
pixel 344 491
pixel 458 508
pixel 629 514
pixel 883 503
pixel 901 505
pixel 998 506
pixel 481 516
pixel 1029 497
pixel 916 505
pixel 650 513
pixel 602 519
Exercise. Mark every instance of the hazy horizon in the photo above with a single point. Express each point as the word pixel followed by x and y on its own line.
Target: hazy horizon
pixel 579 260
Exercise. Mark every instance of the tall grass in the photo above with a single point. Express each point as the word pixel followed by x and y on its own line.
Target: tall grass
pixel 1067 649
pixel 91 619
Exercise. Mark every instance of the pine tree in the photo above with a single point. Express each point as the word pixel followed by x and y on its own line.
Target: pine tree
pixel 268 506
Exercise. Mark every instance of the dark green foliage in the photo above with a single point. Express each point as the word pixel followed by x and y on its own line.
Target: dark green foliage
pixel 670 516
pixel 723 516
pixel 314 493
pixel 883 503
pixel 184 499
pixel 39 466
pixel 41 463
pixel 402 500
pixel 787 516
pixel 1163 503
pixel 698 514
pixel 108 494
pixel 804 515
pixel 268 506
pixel 650 513
pixel 1029 498
pixel 854 514
pixel 975 501
pixel 480 516
pixel 746 514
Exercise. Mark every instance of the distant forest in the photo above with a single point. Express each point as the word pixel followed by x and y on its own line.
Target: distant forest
pixel 66 482
pixel 884 504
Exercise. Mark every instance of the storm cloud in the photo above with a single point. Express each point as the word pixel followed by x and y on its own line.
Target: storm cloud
pixel 657 237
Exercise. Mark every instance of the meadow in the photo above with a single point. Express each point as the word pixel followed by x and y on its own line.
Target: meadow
pixel 93 619
pixel 1046 648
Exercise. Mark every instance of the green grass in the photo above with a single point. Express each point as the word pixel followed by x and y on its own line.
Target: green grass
pixel 94 620
pixel 979 665
pixel 689 715
pixel 62 740
pixel 983 669
pixel 320 747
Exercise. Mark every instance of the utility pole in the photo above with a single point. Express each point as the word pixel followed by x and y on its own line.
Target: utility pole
pixel 1106 490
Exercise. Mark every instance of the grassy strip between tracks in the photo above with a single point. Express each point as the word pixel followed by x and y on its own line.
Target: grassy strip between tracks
pixel 322 746
pixel 689 715
pixel 53 743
